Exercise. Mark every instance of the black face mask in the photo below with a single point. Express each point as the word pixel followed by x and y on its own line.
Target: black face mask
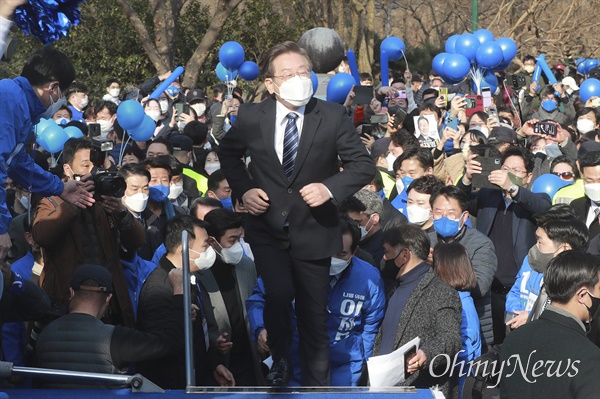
pixel 10 197
pixel 592 310
pixel 390 270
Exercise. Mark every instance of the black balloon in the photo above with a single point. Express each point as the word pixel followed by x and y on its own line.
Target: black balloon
pixel 325 48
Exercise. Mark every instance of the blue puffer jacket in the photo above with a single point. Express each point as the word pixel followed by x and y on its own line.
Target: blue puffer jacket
pixel 525 290
pixel 356 308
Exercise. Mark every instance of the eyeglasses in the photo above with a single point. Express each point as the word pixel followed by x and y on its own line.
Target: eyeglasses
pixel 564 175
pixel 514 171
pixel 452 215
pixel 303 73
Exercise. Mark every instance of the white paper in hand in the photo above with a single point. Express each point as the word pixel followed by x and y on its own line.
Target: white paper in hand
pixel 388 370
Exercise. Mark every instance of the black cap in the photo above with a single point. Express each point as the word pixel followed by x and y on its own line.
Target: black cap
pixel 503 134
pixel 97 273
pixel 195 95
pixel 380 147
pixel 181 143
pixel 587 147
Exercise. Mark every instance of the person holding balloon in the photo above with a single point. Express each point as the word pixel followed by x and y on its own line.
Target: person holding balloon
pixel 549 104
pixel 294 141
pixel 23 100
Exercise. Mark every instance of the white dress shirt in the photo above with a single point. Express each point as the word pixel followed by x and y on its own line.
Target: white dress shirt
pixel 281 121
pixel 591 214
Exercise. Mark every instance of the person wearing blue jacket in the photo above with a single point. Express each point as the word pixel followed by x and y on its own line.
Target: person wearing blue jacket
pixel 23 100
pixel 452 263
pixel 356 307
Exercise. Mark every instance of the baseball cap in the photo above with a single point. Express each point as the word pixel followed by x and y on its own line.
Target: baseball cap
pixel 503 134
pixel 97 273
pixel 569 81
pixel 182 143
pixel 195 95
pixel 560 67
pixel 380 147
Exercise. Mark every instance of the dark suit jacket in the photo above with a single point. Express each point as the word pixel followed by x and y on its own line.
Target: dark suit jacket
pixel 581 206
pixel 484 205
pixel 326 134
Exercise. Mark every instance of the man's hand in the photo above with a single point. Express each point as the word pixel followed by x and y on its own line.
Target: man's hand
pixel 417 361
pixel 263 347
pixel 223 345
pixel 315 194
pixel 112 205
pixel 186 118
pixel 256 201
pixel 350 98
pixel 223 376
pixel 559 88
pixel 164 75
pixel 532 89
pixel 391 126
pixel 501 179
pixel 472 167
pixel 79 193
pixel 367 141
pixel 527 128
pixel 176 280
pixel 440 102
pixel 457 105
pixel 518 320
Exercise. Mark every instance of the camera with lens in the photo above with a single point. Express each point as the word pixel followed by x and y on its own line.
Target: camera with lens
pixel 108 183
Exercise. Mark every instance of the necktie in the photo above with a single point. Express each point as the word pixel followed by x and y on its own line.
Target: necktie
pixel 290 144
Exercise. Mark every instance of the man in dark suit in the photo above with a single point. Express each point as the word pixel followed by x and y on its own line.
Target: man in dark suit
pixel 505 212
pixel 291 192
pixel 587 208
pixel 560 362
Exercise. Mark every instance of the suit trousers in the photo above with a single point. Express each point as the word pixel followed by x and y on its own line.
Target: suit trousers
pixel 286 279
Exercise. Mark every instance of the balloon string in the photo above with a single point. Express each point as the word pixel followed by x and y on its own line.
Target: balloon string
pixel 122 150
pixel 405 60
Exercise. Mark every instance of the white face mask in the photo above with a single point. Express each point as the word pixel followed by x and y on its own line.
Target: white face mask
pixel 232 255
pixel 390 161
pixel 176 190
pixel 363 229
pixel 296 91
pixel 164 106
pixel 137 202
pixel 54 106
pixel 585 125
pixel 417 215
pixel 199 108
pixel 529 68
pixel 180 125
pixel 206 258
pixel 114 92
pixel 569 90
pixel 399 186
pixel 338 266
pixel 83 102
pixel 155 115
pixel 24 200
pixel 211 167
pixel 592 190
pixel 105 127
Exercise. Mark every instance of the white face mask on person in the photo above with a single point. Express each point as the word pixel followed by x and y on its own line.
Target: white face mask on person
pixel 105 127
pixel 338 266
pixel 54 106
pixel 155 115
pixel 417 215
pixel 175 191
pixel 296 91
pixel 363 229
pixel 206 258
pixel 390 161
pixel 200 108
pixel 592 190
pixel 137 202
pixel 211 167
pixel 114 92
pixel 164 106
pixel 585 125
pixel 232 255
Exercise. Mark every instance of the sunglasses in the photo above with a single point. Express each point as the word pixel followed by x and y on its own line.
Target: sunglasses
pixel 564 175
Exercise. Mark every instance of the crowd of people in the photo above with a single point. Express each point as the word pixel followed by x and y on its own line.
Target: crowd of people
pixel 319 234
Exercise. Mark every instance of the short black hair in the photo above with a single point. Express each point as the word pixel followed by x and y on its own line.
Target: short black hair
pixel 160 162
pixel 568 272
pixel 197 131
pixel 568 161
pixel 111 81
pixel 404 139
pixel 349 226
pixel 421 155
pixel 365 76
pixel 451 192
pixel 377 181
pixel 215 179
pixel 204 201
pixel 589 160
pixel 176 226
pixel 427 184
pixel 519 152
pixel 48 64
pixel 134 169
pixel 220 220
pixel 529 57
pixel 161 140
pixel 409 236
pixel 588 110
pixel 431 107
pixel 73 145
pixel 176 167
pixel 561 225
pixel 112 107
pixel 65 108
pixel 429 91
pixel 481 115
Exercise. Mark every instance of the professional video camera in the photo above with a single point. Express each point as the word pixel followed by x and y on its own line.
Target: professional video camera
pixel 108 183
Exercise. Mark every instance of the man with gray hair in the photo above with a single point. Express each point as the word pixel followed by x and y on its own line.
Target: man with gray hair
pixel 366 209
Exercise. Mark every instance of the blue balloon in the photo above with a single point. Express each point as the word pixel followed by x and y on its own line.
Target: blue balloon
pixel 484 35
pixel 581 67
pixel 145 131
pixel 54 138
pixel 224 74
pixel 315 81
pixel 130 114
pixel 231 55
pixel 438 63
pixel 451 44
pixel 73 132
pixel 456 66
pixel 467 45
pixel 509 48
pixel 589 88
pixel 489 55
pixel 249 70
pixel 394 47
pixel 42 124
pixel 489 80
pixel 579 61
pixel 549 184
pixel 339 86
pixel 502 66
pixel 590 64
